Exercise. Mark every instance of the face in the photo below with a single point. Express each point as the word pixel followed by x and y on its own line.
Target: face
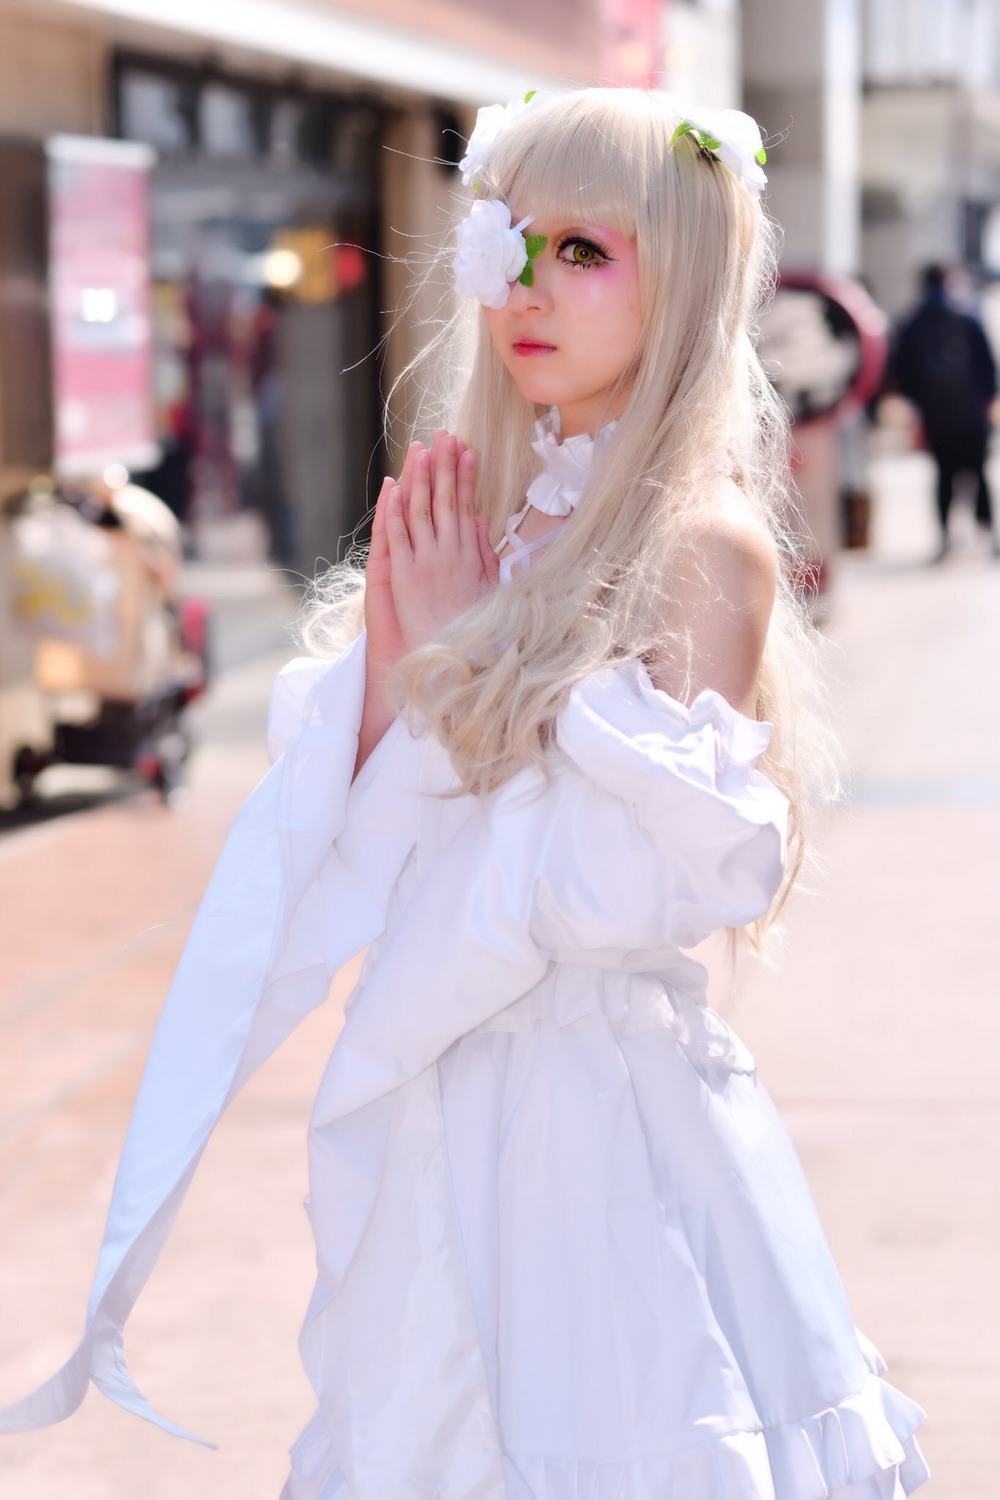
pixel 570 337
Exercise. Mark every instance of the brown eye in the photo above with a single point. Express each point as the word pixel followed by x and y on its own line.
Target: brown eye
pixel 577 251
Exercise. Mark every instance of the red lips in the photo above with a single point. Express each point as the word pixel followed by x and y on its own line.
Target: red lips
pixel 527 347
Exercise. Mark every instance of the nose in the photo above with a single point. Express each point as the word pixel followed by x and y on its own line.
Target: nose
pixel 529 298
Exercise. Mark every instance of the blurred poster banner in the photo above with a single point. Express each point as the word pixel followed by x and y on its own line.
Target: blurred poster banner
pixel 632 37
pixel 99 284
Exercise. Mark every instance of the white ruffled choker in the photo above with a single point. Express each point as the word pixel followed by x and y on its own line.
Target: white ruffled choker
pixel 565 465
pixel 556 490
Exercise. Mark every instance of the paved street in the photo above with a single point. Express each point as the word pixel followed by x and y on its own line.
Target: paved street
pixel 877 1034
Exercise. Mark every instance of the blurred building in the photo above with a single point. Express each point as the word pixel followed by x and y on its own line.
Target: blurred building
pixel 701 54
pixel 930 160
pixel 802 81
pixel 297 145
pixel 305 167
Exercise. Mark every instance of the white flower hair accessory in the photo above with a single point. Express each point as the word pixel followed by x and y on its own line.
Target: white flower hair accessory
pixel 732 138
pixel 491 123
pixel 492 252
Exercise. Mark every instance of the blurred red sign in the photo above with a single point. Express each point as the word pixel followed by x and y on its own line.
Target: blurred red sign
pixel 632 35
pixel 99 282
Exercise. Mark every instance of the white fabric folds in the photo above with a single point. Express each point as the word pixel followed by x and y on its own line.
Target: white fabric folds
pixel 564 1248
pixel 253 965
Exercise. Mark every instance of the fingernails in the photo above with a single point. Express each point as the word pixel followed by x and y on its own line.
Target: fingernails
pixel 423 459
pixel 468 459
pixel 395 495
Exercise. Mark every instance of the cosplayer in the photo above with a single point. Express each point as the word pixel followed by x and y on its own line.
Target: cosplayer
pixel 554 735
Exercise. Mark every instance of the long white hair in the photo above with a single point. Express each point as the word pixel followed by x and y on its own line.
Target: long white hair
pixel 492 683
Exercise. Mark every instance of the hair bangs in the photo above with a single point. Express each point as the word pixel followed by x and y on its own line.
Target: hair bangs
pixel 583 157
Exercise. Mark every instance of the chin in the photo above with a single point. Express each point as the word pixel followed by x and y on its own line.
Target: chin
pixel 542 393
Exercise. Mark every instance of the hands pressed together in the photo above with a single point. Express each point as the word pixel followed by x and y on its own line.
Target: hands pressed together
pixel 430 555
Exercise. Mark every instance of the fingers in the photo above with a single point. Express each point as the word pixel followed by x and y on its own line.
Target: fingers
pixel 466 498
pixel 430 497
pixel 420 518
pixel 406 476
pixel 444 459
pixel 378 520
pixel 397 531
pixel 377 564
pixel 438 442
pixel 437 507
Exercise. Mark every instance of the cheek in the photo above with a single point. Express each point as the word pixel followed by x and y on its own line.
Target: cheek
pixel 611 301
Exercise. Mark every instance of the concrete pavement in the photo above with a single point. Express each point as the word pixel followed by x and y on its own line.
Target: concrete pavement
pixel 877 1035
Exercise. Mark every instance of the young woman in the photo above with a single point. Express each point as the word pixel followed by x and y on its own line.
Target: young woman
pixel 564 1247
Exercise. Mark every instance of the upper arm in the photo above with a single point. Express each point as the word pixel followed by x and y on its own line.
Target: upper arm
pixel 723 593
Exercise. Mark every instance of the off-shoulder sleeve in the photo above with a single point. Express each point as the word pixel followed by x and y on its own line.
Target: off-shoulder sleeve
pixel 673 832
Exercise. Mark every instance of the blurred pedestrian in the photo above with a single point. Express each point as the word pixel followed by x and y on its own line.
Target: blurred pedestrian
pixel 564 1245
pixel 944 365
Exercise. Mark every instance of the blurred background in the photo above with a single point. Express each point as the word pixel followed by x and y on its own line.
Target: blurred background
pixel 208 210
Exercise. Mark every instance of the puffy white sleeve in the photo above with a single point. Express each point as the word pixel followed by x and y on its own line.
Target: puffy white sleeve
pixel 668 831
pixel 290 694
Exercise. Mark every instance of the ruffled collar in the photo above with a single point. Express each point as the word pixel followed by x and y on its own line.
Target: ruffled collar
pixel 558 488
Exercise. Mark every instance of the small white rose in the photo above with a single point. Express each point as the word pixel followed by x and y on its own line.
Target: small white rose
pixel 491 123
pixel 740 142
pixel 491 253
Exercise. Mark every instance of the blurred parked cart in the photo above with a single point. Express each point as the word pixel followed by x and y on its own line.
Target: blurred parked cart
pixel 92 591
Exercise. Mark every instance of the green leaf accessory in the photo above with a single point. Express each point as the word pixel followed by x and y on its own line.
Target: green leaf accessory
pixel 534 244
pixel 705 141
pixel 729 137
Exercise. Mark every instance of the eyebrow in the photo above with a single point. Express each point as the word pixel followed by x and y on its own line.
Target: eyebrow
pixel 558 229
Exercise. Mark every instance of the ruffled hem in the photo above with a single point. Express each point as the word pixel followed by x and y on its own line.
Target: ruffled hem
pixel 861 1449
pixel 845 1450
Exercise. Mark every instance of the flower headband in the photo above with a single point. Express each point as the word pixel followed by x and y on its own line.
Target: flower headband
pixel 732 138
pixel 491 123
pixel 493 252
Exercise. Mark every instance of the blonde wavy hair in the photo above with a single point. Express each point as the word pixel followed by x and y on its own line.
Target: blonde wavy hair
pixel 492 684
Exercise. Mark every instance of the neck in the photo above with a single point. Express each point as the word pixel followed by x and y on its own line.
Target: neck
pixel 591 416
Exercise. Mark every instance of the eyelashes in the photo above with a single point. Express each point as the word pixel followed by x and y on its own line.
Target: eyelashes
pixel 594 254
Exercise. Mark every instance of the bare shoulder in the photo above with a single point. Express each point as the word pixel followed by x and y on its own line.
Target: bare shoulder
pixel 724 589
pixel 731 552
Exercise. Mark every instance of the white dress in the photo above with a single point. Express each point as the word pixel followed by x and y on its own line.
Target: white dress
pixel 565 1250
